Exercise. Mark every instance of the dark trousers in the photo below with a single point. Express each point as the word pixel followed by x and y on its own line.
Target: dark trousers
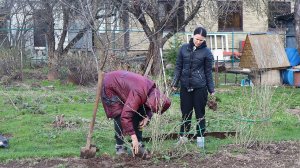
pixel 136 121
pixel 189 101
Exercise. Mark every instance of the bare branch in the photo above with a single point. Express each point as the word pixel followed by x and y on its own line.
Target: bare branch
pixel 185 22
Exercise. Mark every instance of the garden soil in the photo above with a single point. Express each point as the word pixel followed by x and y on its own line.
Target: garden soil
pixel 275 155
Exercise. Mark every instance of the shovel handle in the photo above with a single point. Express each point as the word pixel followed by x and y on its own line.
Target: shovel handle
pixel 98 94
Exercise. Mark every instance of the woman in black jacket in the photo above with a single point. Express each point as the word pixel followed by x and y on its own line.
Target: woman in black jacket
pixel 194 73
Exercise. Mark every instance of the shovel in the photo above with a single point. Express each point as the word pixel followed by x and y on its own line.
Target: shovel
pixel 89 151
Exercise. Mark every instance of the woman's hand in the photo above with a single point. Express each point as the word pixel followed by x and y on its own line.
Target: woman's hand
pixel 143 123
pixel 135 145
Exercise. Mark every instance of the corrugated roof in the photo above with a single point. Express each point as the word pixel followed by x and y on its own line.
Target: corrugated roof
pixel 264 52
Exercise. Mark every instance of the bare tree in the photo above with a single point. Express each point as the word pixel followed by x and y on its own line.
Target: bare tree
pixel 68 11
pixel 46 16
pixel 5 9
pixel 152 15
pixel 154 22
pixel 20 27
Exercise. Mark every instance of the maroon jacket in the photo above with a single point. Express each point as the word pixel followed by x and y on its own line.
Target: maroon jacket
pixel 124 92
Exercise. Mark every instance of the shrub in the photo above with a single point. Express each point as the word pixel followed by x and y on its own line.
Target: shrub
pixel 9 62
pixel 255 111
pixel 80 69
pixel 171 54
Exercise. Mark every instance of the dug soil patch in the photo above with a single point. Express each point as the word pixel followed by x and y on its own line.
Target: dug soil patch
pixel 275 155
pixel 295 111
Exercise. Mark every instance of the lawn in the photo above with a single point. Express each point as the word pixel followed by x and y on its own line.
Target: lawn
pixel 28 113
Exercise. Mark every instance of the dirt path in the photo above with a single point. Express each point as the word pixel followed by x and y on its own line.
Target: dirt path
pixel 283 154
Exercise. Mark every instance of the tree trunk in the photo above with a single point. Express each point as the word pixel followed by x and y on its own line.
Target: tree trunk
pixel 125 21
pixel 52 58
pixel 297 22
pixel 154 53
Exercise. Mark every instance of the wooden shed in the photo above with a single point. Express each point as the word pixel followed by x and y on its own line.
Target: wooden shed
pixel 264 51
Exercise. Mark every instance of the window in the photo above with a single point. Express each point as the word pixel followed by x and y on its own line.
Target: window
pixel 277 8
pixel 165 6
pixel 230 15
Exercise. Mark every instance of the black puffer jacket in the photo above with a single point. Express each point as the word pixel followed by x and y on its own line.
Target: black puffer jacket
pixel 194 67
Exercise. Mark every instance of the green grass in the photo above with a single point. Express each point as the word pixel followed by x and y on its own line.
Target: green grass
pixel 27 115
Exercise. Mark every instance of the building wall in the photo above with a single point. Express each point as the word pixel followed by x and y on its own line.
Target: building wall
pixel 255 20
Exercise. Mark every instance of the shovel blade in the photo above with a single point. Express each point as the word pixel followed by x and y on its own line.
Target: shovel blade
pixel 87 153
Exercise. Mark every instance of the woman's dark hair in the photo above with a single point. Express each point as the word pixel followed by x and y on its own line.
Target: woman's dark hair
pixel 201 31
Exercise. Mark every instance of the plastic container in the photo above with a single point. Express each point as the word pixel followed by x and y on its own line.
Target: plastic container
pixel 293 56
pixel 200 142
pixel 289 77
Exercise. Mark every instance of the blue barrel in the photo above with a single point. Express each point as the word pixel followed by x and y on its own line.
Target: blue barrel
pixel 293 56
pixel 288 76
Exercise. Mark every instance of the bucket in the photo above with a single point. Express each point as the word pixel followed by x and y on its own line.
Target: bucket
pixel 200 142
